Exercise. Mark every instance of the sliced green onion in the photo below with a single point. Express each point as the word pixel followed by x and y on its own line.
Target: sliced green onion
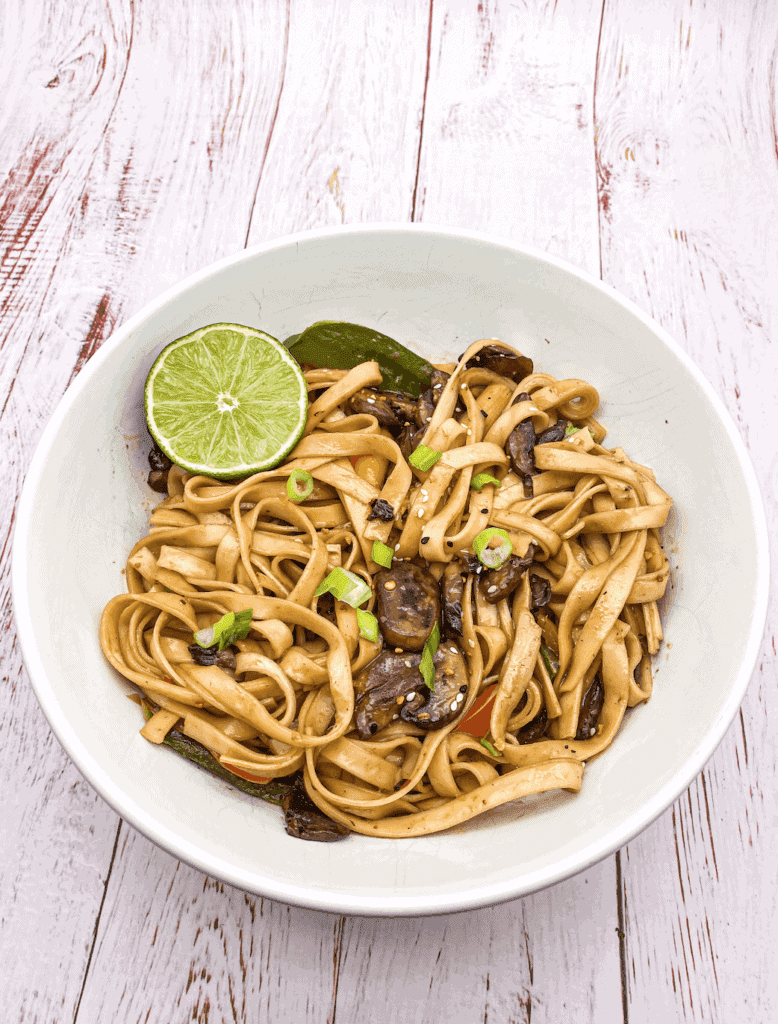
pixel 480 481
pixel 382 554
pixel 492 557
pixel 489 747
pixel 570 430
pixel 550 660
pixel 368 625
pixel 426 665
pixel 227 630
pixel 424 458
pixel 344 586
pixel 299 485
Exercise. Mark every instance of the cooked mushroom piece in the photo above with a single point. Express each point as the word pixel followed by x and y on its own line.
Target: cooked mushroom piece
pixel 408 605
pixel 555 433
pixel 392 679
pixel 535 729
pixel 591 706
pixel 404 405
pixel 503 360
pixel 495 584
pixel 157 480
pixel 446 701
pixel 452 587
pixel 158 461
pixel 409 438
pixel 304 820
pixel 520 447
pixel 381 509
pixel 539 591
pixel 374 403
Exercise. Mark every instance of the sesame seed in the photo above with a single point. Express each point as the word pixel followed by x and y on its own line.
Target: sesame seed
pixel 453 650
pixel 398 650
pixel 469 432
pixel 463 689
pixel 400 700
pixel 425 497
pixel 407 663
pixel 395 717
pixel 374 727
pixel 424 714
pixel 484 511
pixel 397 546
pixel 371 401
pixel 471 643
pixel 421 513
pixel 449 543
pixel 492 590
pixel 389 585
pixel 453 705
pixel 411 695
pixel 425 540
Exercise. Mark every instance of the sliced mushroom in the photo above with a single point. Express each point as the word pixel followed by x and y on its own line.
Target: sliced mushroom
pixel 404 405
pixel 409 438
pixel 158 461
pixel 425 407
pixel 392 679
pixel 539 592
pixel 304 820
pixel 446 700
pixel 381 509
pixel 503 360
pixel 535 729
pixel 452 587
pixel 213 656
pixel 157 480
pixel 495 584
pixel 555 433
pixel 408 605
pixel 374 403
pixel 520 447
pixel 591 706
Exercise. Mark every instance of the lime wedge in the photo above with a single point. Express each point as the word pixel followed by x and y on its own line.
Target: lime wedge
pixel 226 401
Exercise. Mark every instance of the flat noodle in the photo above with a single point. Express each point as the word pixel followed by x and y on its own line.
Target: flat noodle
pixel 588 519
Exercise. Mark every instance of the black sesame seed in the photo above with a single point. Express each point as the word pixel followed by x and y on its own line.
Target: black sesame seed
pixel 449 543
pixel 425 540
pixel 484 511
pixel 374 727
pixel 484 413
pixel 463 689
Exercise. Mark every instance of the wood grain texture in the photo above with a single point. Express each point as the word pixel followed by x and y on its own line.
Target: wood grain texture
pixel 345 143
pixel 688 181
pixel 142 141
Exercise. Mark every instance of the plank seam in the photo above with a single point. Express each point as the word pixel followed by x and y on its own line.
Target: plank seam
pixel 272 123
pixel 622 933
pixel 423 112
pixel 97 921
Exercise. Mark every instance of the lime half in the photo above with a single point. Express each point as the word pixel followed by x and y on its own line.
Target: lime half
pixel 226 401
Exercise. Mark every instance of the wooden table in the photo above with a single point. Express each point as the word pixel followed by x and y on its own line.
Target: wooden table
pixel 142 140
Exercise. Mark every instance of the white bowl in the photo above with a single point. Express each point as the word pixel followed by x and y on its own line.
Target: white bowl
pixel 86 501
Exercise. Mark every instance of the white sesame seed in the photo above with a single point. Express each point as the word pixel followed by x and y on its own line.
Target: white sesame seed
pixel 453 650
pixel 371 401
pixel 491 590
pixel 397 546
pixel 411 695
pixel 453 705
pixel 421 513
pixel 425 497
pixel 407 663
pixel 469 432
pixel 471 643
pixel 395 717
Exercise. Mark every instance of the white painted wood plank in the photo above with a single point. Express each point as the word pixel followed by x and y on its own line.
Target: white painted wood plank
pixel 61 76
pixel 686 131
pixel 194 949
pixel 345 143
pixel 508 131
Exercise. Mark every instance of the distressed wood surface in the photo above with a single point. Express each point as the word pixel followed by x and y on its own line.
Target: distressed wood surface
pixel 142 141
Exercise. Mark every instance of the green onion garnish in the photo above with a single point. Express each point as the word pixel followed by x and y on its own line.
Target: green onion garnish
pixel 550 660
pixel 492 558
pixel 299 485
pixel 426 665
pixel 570 430
pixel 382 554
pixel 480 481
pixel 489 747
pixel 368 625
pixel 345 586
pixel 424 458
pixel 227 630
